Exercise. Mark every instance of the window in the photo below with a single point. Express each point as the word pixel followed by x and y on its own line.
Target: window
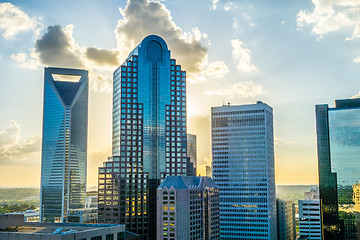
pixel 110 236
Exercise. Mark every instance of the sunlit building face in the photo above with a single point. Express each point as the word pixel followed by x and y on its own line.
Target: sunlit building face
pixel 149 136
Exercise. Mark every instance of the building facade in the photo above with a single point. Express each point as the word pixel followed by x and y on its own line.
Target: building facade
pixel 149 136
pixel 188 208
pixel 64 143
pixel 286 224
pixel 13 227
pixel 309 219
pixel 243 168
pixel 191 153
pixel 338 142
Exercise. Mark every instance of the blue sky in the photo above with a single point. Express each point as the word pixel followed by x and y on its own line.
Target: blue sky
pixel 289 54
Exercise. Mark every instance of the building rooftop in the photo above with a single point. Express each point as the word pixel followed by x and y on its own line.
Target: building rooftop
pixel 183 182
pixel 58 228
pixel 347 103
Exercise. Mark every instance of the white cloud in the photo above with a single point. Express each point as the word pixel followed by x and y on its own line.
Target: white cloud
pixel 331 16
pixel 213 4
pixel 14 151
pixel 13 21
pixel 239 90
pixel 142 17
pixel 216 69
pixel 242 56
pixel 24 61
pixel 356 95
pixel 228 6
pixel 356 59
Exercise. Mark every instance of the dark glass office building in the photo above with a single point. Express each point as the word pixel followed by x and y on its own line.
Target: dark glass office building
pixel 64 143
pixel 149 136
pixel 338 138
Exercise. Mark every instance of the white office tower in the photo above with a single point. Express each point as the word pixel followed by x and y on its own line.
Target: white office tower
pixel 243 168
pixel 309 219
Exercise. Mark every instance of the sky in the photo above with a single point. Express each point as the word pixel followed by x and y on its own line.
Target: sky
pixel 289 54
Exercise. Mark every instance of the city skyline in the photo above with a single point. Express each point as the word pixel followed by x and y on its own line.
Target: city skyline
pixel 280 53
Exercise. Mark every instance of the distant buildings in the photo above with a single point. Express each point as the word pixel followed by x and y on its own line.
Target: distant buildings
pixel 243 168
pixel 309 219
pixel 188 208
pixel 208 171
pixel 64 145
pixel 149 136
pixel 338 144
pixel 191 153
pixel 286 224
pixel 83 215
pixel 12 227
pixel 312 194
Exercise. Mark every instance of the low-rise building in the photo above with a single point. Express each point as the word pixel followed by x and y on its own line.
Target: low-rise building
pixel 13 227
pixel 188 208
pixel 309 219
pixel 83 215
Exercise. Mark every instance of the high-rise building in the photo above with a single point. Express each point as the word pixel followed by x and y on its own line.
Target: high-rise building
pixel 286 224
pixel 64 145
pixel 188 208
pixel 243 168
pixel 149 136
pixel 309 219
pixel 338 143
pixel 208 171
pixel 191 153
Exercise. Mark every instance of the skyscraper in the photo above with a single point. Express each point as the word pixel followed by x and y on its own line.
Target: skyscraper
pixel 243 168
pixel 64 145
pixel 286 224
pixel 338 143
pixel 149 136
pixel 188 208
pixel 191 153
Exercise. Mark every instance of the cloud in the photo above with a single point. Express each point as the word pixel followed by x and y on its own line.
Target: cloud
pixel 242 56
pixel 217 69
pixel 239 90
pixel 213 4
pixel 142 17
pixel 13 21
pixel 356 59
pixel 57 47
pixel 103 57
pixel 239 12
pixel 13 151
pixel 331 16
pixel 24 61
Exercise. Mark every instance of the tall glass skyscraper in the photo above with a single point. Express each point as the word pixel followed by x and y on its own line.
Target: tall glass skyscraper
pixel 149 136
pixel 338 139
pixel 243 168
pixel 64 145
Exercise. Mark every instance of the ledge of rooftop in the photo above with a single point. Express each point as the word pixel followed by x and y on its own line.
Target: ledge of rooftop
pixel 50 228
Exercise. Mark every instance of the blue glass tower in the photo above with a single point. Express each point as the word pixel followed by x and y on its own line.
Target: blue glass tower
pixel 64 145
pixel 243 168
pixel 149 136
pixel 338 142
